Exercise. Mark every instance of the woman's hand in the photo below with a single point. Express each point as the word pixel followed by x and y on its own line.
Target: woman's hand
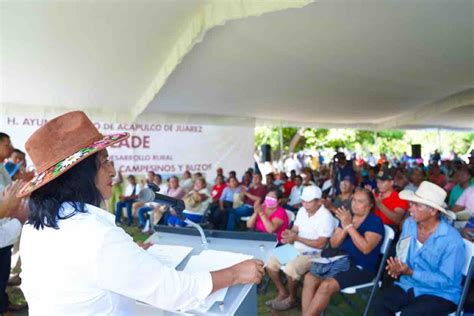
pixel 248 271
pixel 344 216
pixel 144 245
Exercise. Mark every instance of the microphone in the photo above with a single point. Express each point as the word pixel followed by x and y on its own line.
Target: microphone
pixel 150 195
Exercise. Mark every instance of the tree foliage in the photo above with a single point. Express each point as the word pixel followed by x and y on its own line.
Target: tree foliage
pixel 362 141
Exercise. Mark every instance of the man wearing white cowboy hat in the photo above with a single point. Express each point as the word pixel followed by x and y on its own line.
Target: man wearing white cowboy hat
pixel 430 254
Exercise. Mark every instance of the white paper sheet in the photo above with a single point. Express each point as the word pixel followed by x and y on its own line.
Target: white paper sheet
pixel 170 256
pixel 213 260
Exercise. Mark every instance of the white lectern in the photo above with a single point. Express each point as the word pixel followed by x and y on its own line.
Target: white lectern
pixel 240 299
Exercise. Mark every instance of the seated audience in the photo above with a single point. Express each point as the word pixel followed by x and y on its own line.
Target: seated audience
pixel 468 230
pixel 342 168
pixel 288 184
pixel 174 191
pixel 463 180
pixel 308 177
pixel 150 178
pixel 360 237
pixel 157 180
pixel 216 193
pixel 197 202
pixel 436 176
pixel 294 202
pixel 430 255
pixel 417 176
pixel 399 180
pixel 346 187
pixel 246 179
pixel 229 199
pixel 127 200
pixel 270 179
pixel 465 201
pixel 313 227
pixel 388 205
pixel 370 182
pixel 187 183
pixel 220 172
pixel 270 217
pixel 256 191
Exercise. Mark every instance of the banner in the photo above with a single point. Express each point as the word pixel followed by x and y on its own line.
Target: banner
pixel 167 149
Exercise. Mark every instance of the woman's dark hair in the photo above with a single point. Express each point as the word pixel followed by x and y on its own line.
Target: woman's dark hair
pixel 370 196
pixel 278 192
pixel 76 186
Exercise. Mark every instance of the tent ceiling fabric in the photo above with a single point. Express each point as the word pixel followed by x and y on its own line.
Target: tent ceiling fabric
pixel 332 63
pixel 107 57
pixel 362 64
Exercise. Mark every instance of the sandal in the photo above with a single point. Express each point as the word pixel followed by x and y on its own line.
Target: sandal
pixel 284 305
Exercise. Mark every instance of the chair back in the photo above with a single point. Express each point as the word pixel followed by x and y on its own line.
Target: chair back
pixel 467 271
pixel 291 216
pixel 469 256
pixel 389 237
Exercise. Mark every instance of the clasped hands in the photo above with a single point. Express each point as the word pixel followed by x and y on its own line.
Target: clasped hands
pixel 395 268
pixel 289 236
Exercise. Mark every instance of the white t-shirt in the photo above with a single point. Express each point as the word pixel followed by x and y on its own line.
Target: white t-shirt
pixel 295 195
pixel 89 266
pixel 321 224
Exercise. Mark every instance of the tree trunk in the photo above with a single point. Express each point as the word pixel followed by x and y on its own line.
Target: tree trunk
pixel 296 139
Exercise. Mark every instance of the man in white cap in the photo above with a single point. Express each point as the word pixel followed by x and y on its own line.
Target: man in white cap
pixel 430 256
pixel 313 227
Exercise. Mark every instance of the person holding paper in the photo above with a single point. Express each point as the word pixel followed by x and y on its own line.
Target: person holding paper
pixel 359 236
pixel 75 260
pixel 430 256
pixel 270 217
pixel 313 227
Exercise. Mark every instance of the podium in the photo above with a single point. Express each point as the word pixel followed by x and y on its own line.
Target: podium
pixel 240 299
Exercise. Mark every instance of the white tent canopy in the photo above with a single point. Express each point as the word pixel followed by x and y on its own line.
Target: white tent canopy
pixel 363 64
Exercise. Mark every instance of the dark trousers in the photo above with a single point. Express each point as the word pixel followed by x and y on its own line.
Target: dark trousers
pixel 5 265
pixel 394 299
pixel 218 218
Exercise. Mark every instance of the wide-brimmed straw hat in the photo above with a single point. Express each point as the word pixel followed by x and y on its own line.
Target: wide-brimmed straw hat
pixel 61 144
pixel 429 194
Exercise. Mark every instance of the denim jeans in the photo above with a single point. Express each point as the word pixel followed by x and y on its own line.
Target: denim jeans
pixel 118 211
pixel 236 213
pixel 141 215
pixel 175 221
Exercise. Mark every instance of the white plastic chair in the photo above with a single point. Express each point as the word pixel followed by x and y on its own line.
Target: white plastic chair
pixel 467 272
pixel 291 217
pixel 377 282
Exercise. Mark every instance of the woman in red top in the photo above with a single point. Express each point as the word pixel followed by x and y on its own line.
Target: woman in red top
pixel 216 193
pixel 269 217
pixel 218 188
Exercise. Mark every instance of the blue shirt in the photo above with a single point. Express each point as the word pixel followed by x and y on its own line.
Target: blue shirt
pixel 228 194
pixel 437 265
pixel 372 223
